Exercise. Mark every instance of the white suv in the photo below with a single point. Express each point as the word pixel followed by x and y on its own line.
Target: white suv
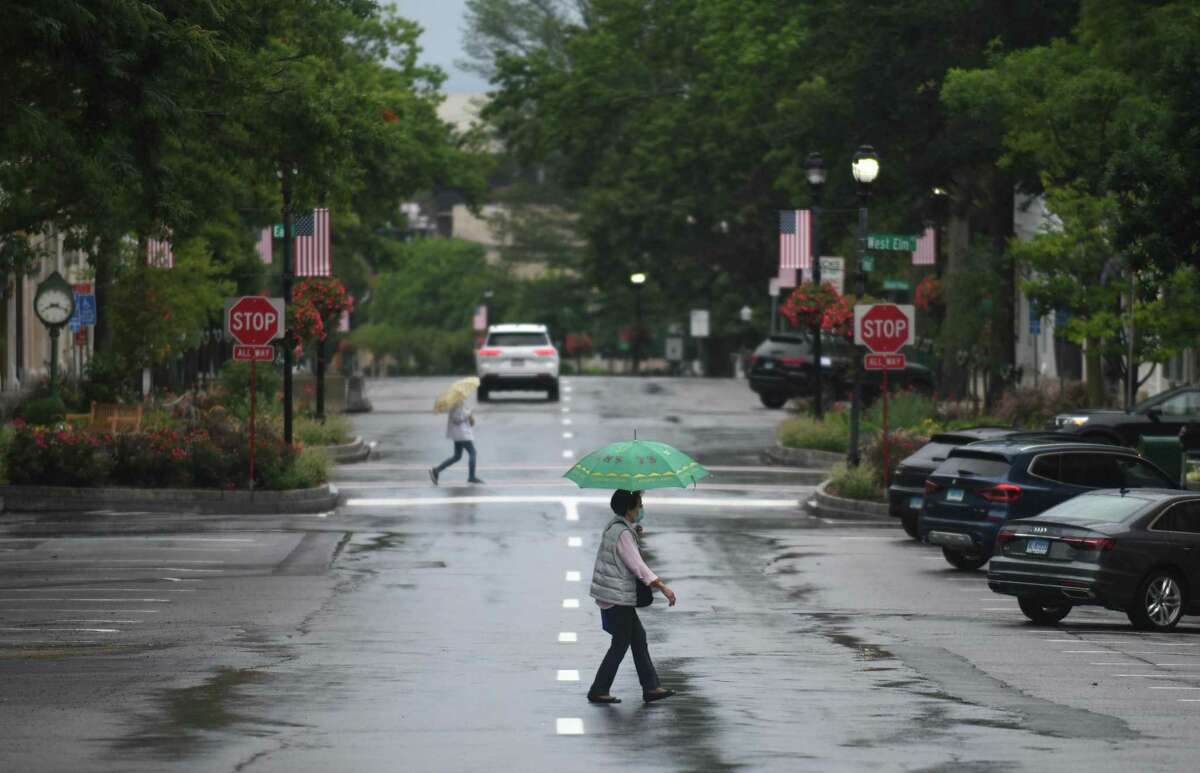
pixel 517 357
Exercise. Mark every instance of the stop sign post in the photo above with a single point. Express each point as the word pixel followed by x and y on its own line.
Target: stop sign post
pixel 885 329
pixel 254 322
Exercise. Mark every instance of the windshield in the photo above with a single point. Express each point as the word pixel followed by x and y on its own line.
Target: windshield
pixel 1096 507
pixel 518 339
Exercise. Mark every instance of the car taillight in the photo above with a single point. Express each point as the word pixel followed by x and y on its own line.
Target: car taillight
pixel 489 352
pixel 1091 543
pixel 545 352
pixel 930 487
pixel 754 358
pixel 1003 493
pixel 792 362
pixel 1004 536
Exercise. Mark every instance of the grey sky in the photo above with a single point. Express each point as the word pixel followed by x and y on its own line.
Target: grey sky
pixel 441 41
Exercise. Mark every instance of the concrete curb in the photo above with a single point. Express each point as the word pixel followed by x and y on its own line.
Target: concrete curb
pixel 349 453
pixel 803 457
pixel 38 499
pixel 829 506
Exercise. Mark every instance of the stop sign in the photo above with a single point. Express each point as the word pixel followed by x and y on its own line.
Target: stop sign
pixel 884 327
pixel 253 320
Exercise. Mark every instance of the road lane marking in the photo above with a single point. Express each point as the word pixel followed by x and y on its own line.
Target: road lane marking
pixel 565 409
pixel 567 637
pixel 566 398
pixel 572 509
pixel 568 675
pixel 86 620
pixel 573 577
pixel 40 629
pixel 574 542
pixel 698 501
pixel 95 589
pixel 568 454
pixel 91 610
pixel 570 603
pixel 566 422
pixel 566 388
pixel 57 561
pixel 37 601
pixel 569 726
pixel 568 435
pixel 1164 687
pixel 1085 652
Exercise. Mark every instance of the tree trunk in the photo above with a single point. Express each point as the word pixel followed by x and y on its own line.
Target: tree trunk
pixel 1094 373
pixel 103 259
pixel 953 381
pixel 1004 331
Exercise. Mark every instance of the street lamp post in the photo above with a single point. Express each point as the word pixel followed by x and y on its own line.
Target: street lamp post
pixel 637 280
pixel 865 167
pixel 815 171
pixel 286 172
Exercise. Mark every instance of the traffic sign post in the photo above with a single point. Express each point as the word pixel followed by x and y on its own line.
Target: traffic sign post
pixel 885 329
pixel 254 322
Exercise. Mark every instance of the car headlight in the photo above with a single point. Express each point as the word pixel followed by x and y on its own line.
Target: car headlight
pixel 1074 421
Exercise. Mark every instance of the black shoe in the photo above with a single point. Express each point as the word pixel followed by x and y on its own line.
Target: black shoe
pixel 433 475
pixel 474 480
pixel 657 695
pixel 603 699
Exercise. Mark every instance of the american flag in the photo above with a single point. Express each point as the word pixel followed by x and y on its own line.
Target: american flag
pixel 312 244
pixel 159 253
pixel 795 239
pixel 480 320
pixel 926 252
pixel 263 247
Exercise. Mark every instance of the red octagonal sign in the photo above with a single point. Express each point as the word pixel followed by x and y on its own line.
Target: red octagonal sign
pixel 884 328
pixel 254 320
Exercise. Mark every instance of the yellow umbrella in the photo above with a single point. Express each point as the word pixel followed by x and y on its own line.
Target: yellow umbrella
pixel 456 393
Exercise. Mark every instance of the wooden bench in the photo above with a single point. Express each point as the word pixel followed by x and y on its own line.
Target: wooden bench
pixel 110 417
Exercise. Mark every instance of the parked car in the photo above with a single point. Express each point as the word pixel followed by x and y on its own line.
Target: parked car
pixel 982 486
pixel 517 357
pixel 1164 414
pixel 1133 551
pixel 783 367
pixel 906 491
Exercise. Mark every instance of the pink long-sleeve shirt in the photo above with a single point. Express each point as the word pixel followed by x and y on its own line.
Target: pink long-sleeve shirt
pixel 628 551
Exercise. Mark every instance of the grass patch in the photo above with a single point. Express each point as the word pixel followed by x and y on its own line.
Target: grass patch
pixel 334 431
pixel 861 482
pixel 310 469
pixel 832 434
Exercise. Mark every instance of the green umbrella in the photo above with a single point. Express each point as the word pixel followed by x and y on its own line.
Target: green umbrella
pixel 635 465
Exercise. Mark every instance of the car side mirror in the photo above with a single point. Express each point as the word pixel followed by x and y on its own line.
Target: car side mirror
pixel 1154 413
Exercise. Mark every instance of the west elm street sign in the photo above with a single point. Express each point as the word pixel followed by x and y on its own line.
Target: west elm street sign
pixel 894 242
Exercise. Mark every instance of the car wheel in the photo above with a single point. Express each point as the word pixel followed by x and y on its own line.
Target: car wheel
pixel 1043 612
pixel 482 395
pixel 1159 602
pixel 552 393
pixel 773 399
pixel 968 562
pixel 909 522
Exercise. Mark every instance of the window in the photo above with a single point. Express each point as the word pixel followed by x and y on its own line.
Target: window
pixel 518 339
pixel 1047 466
pixel 1091 470
pixel 1183 404
pixel 974 466
pixel 1137 473
pixel 1180 517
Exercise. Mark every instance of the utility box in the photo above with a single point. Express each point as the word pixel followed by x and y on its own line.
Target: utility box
pixel 1166 453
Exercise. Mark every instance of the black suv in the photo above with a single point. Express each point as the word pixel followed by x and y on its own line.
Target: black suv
pixel 981 486
pixel 1164 414
pixel 782 367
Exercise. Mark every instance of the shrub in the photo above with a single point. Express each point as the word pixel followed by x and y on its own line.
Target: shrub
pixel 1033 407
pixel 901 443
pixel 861 482
pixel 832 434
pixel 57 457
pixel 335 430
pixel 233 391
pixel 906 409
pixel 309 469
pixel 43 411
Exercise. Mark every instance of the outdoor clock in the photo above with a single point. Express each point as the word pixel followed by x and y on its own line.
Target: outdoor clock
pixel 54 301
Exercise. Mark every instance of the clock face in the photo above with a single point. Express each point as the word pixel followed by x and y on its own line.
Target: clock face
pixel 53 306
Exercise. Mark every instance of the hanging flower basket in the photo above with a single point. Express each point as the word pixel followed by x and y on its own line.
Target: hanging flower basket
pixel 326 294
pixel 928 293
pixel 810 306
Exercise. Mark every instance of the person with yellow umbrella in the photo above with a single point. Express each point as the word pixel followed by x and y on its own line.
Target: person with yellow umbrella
pixel 459 426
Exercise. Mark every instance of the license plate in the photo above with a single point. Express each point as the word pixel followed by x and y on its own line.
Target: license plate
pixel 1037 547
pixel 768 365
pixel 954 495
pixel 915 502
pixel 517 362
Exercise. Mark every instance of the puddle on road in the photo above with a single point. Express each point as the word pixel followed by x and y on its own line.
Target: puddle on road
pixel 188 720
pixel 385 541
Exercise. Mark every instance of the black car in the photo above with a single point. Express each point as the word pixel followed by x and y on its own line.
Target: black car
pixel 1133 551
pixel 982 486
pixel 1164 414
pixel 907 490
pixel 783 367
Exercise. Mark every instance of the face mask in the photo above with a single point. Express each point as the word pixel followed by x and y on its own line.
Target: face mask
pixel 641 514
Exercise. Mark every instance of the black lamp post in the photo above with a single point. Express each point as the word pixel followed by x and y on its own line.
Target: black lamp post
pixel 637 280
pixel 865 167
pixel 286 172
pixel 814 169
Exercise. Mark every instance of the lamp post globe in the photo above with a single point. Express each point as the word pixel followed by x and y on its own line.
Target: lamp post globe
pixel 865 165
pixel 814 170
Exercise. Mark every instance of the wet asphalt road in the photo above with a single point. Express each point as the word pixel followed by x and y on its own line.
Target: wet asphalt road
pixel 423 629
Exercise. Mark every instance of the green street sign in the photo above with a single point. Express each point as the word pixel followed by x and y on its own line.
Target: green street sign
pixel 895 242
pixel 895 284
pixel 868 264
pixel 278 230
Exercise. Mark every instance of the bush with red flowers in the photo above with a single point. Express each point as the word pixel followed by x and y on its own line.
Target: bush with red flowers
pixel 326 294
pixel 809 305
pixel 928 293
